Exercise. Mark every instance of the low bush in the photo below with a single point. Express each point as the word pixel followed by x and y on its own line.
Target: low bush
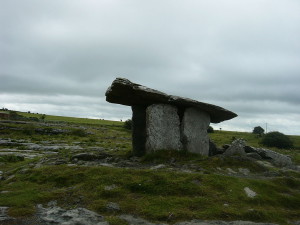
pixel 128 124
pixel 78 132
pixel 210 129
pixel 11 158
pixel 277 139
pixel 258 130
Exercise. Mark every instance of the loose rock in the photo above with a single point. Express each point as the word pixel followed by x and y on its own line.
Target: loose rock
pixel 249 192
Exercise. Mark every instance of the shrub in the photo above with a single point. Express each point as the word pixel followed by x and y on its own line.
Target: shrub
pixel 11 158
pixel 79 133
pixel 128 124
pixel 258 130
pixel 210 129
pixel 277 139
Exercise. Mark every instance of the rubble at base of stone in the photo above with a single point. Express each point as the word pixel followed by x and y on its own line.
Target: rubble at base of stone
pixel 239 148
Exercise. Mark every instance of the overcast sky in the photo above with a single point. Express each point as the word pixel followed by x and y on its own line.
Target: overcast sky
pixel 59 56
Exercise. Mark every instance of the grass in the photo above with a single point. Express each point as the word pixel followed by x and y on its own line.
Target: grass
pixel 161 195
pixel 75 120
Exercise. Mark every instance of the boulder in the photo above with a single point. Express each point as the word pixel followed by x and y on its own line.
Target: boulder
pixel 194 131
pixel 236 148
pixel 254 155
pixel 274 157
pixel 213 149
pixel 123 91
pixel 162 128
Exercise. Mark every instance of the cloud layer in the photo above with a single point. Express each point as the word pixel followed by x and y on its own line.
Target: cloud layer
pixel 59 57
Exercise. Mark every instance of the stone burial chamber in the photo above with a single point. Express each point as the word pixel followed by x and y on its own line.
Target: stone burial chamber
pixel 162 121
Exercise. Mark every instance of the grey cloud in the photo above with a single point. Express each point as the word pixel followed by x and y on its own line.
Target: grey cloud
pixel 236 54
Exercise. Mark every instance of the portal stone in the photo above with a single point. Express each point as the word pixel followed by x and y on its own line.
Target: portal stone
pixel 138 130
pixel 162 128
pixel 194 131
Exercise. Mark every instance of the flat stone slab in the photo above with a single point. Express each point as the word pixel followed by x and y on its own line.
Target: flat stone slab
pixel 123 91
pixel 163 130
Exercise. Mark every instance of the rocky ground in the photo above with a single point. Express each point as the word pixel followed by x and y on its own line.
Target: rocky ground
pixel 73 153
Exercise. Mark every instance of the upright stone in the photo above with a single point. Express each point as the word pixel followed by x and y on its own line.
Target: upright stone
pixel 194 131
pixel 138 129
pixel 162 128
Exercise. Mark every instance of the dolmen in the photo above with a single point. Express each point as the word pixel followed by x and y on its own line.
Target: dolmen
pixel 166 122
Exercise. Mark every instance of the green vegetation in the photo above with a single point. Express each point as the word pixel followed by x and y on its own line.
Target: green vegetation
pixel 165 195
pixel 277 139
pixel 72 119
pixel 128 124
pixel 258 130
pixel 158 196
pixel 210 129
pixel 11 158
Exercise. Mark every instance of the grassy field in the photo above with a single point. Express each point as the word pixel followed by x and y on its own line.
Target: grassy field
pixel 72 119
pixel 163 195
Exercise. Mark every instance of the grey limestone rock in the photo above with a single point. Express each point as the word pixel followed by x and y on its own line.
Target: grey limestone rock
pixel 236 148
pixel 162 128
pixel 84 157
pixel 3 213
pixel 194 131
pixel 112 206
pixel 274 157
pixel 57 215
pixel 136 220
pixel 123 91
pixel 254 155
pixel 217 222
pixel 250 193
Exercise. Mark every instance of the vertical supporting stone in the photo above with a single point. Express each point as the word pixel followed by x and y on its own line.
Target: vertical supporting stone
pixel 162 128
pixel 138 129
pixel 194 131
